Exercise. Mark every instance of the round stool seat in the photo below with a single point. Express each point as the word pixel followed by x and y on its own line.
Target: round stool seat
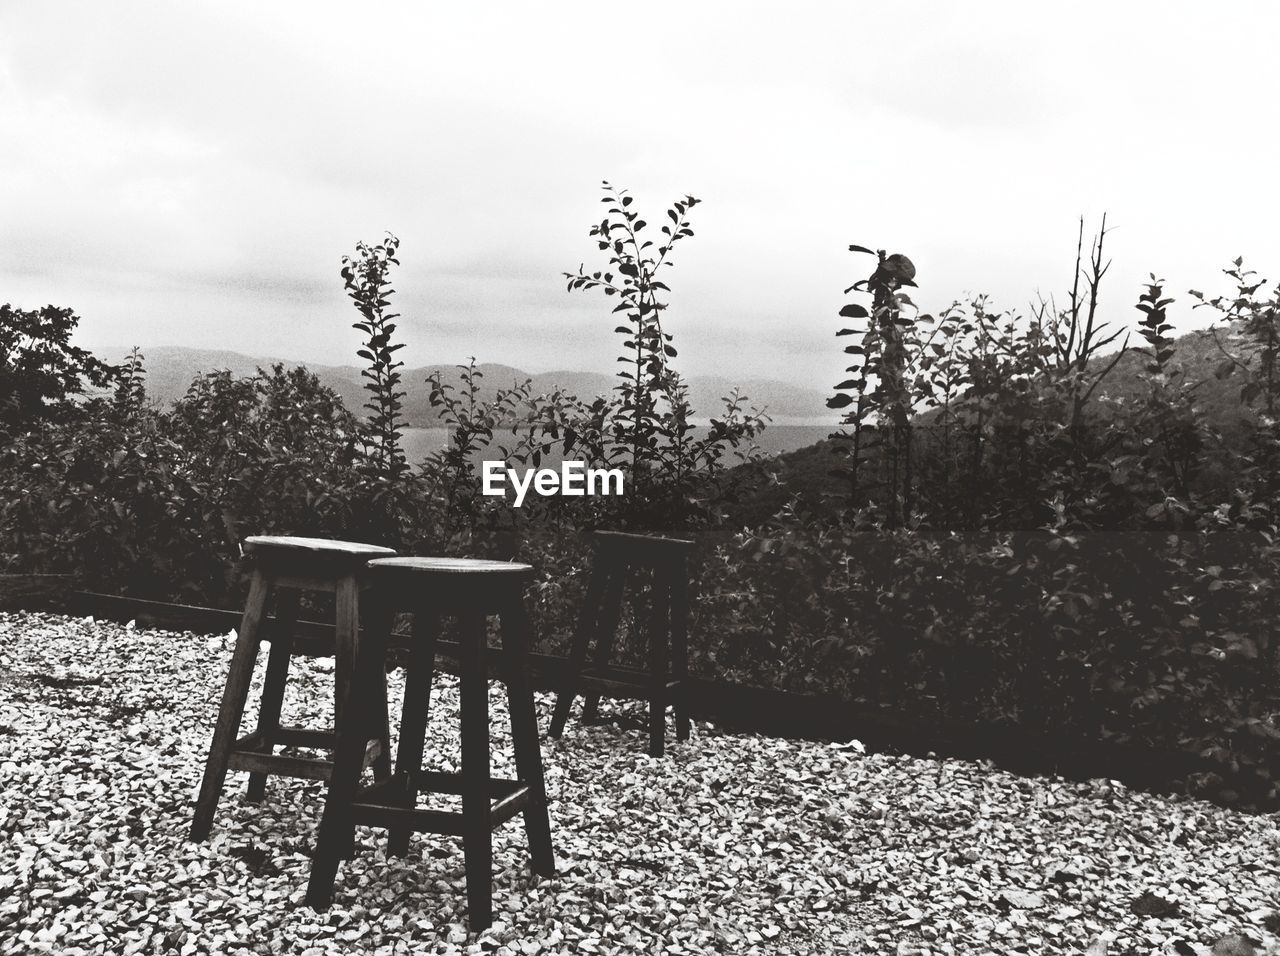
pixel 462 583
pixel 260 542
pixel 452 565
pixel 315 557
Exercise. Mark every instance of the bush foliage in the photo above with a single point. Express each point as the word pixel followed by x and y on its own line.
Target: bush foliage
pixel 41 372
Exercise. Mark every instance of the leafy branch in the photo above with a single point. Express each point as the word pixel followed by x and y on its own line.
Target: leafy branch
pixel 368 283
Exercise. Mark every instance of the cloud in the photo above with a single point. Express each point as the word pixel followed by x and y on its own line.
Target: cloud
pixel 195 172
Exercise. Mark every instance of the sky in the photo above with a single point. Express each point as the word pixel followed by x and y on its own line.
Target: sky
pixel 192 174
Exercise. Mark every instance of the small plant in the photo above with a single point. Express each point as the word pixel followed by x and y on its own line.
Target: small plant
pixel 1075 334
pixel 1254 312
pixel 1170 434
pixel 649 427
pixel 368 283
pixel 880 397
pixel 633 277
pixel 472 422
pixel 131 387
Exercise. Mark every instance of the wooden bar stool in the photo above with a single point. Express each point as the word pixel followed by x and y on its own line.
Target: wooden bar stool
pixel 619 556
pixel 288 566
pixel 470 591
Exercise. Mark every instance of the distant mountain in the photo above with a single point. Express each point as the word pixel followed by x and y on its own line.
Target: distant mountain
pixel 171 369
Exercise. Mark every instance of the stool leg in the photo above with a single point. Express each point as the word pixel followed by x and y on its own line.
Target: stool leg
pixel 232 709
pixel 346 642
pixel 680 646
pixel 348 687
pixel 415 716
pixel 586 628
pixel 524 735
pixel 337 826
pixel 274 684
pixel 477 836
pixel 659 623
pixel 382 761
pixel 606 632
pixel 359 721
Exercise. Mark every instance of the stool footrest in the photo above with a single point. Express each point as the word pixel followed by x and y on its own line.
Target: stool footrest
pixel 301 737
pixel 250 742
pixel 440 782
pixel 420 821
pixel 286 737
pixel 307 768
pixel 383 804
pixel 248 755
pixel 623 682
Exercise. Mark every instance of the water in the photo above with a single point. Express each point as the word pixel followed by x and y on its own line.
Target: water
pixel 774 440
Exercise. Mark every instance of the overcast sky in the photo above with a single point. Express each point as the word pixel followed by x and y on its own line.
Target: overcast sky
pixel 193 173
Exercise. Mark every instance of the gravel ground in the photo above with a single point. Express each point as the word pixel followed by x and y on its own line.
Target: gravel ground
pixel 732 844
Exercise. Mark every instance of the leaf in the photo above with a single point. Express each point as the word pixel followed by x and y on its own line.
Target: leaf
pixel 1244 647
pixel 899 267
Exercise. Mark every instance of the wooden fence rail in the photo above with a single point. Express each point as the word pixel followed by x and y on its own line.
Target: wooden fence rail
pixel 34 591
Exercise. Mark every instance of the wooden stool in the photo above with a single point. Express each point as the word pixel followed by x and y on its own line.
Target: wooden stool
pixel 616 556
pixel 470 591
pixel 287 566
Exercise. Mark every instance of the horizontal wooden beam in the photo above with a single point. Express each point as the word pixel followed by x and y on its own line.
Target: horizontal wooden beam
pixel 307 768
pixel 420 821
pixel 34 591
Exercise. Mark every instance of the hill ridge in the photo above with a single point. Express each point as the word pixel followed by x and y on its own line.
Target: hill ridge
pixel 171 369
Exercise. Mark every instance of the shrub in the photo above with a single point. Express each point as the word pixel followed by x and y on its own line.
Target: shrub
pixel 154 503
pixel 98 496
pixel 1012 550
pixel 40 370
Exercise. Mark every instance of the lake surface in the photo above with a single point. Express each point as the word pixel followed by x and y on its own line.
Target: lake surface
pixel 774 440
